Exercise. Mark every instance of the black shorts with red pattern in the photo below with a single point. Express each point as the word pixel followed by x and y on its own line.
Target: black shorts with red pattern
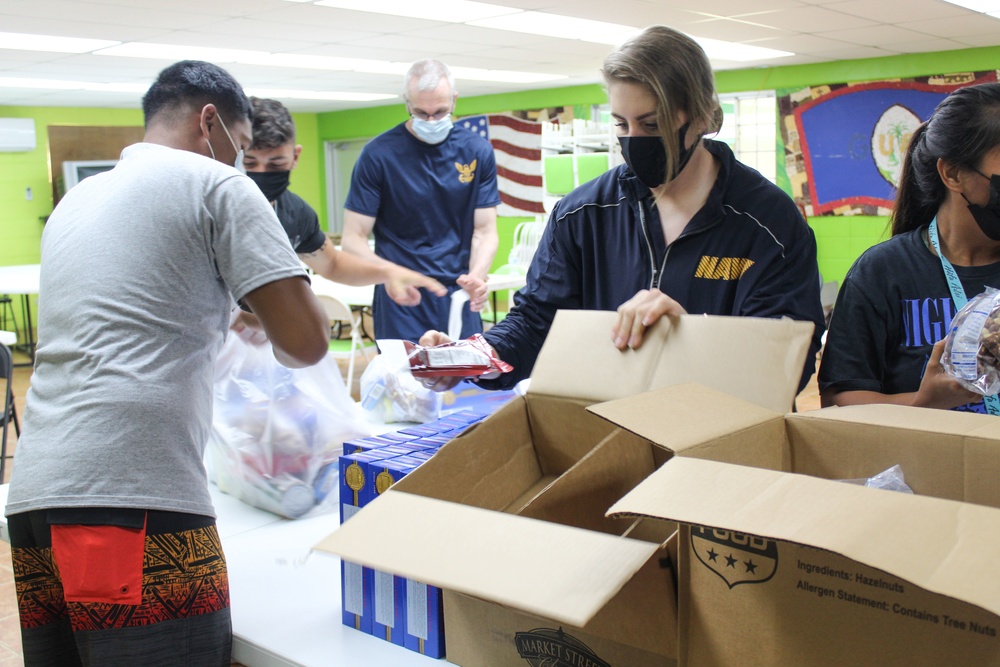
pixel 182 617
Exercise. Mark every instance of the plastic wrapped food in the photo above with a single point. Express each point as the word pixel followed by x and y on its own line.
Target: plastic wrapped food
pixel 278 432
pixel 391 393
pixel 890 479
pixel 972 348
pixel 472 357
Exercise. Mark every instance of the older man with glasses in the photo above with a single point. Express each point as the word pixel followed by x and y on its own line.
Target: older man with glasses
pixel 428 192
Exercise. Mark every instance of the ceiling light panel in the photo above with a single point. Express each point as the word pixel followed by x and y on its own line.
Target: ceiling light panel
pixel 285 93
pixel 718 50
pixel 175 52
pixel 451 11
pixel 25 42
pixel 982 6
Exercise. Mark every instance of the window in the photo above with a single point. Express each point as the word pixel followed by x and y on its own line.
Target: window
pixel 750 127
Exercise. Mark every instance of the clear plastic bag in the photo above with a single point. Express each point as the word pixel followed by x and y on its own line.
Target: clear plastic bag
pixel 277 432
pixel 972 349
pixel 890 479
pixel 391 393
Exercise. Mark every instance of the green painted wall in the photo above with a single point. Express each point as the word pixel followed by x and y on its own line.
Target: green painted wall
pixel 21 222
pixel 20 225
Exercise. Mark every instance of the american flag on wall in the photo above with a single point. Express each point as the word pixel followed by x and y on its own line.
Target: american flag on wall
pixel 517 145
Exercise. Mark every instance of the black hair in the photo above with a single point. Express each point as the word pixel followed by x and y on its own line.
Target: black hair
pixel 964 127
pixel 191 84
pixel 272 124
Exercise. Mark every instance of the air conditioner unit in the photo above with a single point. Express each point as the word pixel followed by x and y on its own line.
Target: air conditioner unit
pixel 17 135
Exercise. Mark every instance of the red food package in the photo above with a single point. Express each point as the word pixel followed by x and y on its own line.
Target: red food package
pixel 472 357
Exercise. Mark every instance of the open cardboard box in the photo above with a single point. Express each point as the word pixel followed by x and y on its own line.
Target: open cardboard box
pixel 791 567
pixel 509 518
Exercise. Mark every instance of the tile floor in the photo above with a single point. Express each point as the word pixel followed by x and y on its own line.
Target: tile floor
pixel 10 636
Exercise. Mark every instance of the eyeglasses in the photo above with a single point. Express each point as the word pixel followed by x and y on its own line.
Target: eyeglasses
pixel 420 115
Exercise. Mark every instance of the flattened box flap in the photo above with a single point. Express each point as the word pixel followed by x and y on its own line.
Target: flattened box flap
pixel 684 416
pixel 563 573
pixel 942 546
pixel 757 359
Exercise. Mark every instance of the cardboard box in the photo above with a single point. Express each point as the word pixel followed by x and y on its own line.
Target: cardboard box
pixel 791 567
pixel 531 566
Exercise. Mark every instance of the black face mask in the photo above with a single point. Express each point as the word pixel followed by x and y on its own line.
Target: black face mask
pixel 272 183
pixel 647 157
pixel 988 217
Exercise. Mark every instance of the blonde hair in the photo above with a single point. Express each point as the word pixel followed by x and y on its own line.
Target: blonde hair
pixel 676 70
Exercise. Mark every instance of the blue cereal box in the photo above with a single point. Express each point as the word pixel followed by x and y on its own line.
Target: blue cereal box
pixel 357 487
pixel 389 600
pixel 424 619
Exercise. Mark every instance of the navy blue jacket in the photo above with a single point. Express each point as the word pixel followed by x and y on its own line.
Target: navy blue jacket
pixel 747 252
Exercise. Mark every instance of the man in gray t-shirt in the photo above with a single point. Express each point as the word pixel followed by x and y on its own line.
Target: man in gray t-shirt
pixel 141 267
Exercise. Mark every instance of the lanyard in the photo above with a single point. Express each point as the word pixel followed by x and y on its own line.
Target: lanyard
pixel 958 297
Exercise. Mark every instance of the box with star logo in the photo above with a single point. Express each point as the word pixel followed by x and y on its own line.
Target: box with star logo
pixel 508 519
pixel 792 565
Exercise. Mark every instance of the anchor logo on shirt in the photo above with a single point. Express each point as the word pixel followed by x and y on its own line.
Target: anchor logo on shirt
pixel 466 172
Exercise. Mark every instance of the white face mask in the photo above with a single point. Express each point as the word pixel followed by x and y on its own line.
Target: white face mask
pixel 239 151
pixel 432 131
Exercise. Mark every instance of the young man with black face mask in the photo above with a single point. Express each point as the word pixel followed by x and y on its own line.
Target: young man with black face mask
pixel 269 162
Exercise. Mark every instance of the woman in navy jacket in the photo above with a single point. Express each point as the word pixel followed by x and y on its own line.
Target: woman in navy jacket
pixel 682 227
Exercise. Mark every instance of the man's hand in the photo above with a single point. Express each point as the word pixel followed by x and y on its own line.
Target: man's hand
pixel 638 314
pixel 430 339
pixel 476 288
pixel 403 286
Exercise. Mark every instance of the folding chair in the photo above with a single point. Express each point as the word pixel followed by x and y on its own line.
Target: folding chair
pixel 339 312
pixel 9 413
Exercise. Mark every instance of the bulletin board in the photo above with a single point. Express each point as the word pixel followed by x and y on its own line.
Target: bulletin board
pixel 844 143
pixel 81 142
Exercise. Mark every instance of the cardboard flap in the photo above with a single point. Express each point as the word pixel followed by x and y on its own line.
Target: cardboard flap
pixel 757 359
pixel 683 416
pixel 579 360
pixel 942 546
pixel 563 573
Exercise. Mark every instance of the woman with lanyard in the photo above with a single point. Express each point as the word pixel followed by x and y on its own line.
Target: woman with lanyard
pixel 897 302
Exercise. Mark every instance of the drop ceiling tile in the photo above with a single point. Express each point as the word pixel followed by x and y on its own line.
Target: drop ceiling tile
pixel 89 12
pixel 635 13
pixel 477 35
pixel 857 52
pixel 928 45
pixel 883 35
pixel 958 27
pixel 978 41
pixel 341 19
pixel 894 12
pixel 407 42
pixel 810 20
pixel 803 44
pixel 734 31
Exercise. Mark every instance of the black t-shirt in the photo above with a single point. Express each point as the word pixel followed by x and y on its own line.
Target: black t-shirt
pixel 300 222
pixel 894 305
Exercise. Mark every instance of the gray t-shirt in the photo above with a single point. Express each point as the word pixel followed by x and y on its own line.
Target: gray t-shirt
pixel 140 267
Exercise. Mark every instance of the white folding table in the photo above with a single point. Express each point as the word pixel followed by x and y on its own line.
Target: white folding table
pixel 23 280
pixel 286 600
